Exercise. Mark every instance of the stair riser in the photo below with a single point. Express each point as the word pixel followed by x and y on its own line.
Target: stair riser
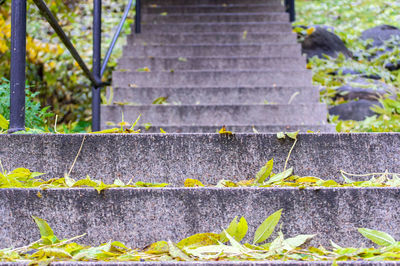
pixel 209 2
pixel 233 95
pixel 236 129
pixel 204 18
pixel 139 217
pixel 210 50
pixel 220 28
pixel 212 79
pixel 217 115
pixel 158 64
pixel 173 158
pixel 213 9
pixel 211 38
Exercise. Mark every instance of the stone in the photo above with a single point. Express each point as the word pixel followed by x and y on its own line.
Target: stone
pixel 323 42
pixel 355 110
pixel 380 34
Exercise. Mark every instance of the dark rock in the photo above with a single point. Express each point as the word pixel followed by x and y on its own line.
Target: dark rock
pixel 356 110
pixel 366 89
pixel 380 34
pixel 371 76
pixel 323 42
pixel 348 92
pixel 393 66
pixel 349 71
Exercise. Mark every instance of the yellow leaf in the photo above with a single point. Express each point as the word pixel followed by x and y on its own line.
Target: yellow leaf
pixel 223 131
pixel 199 240
pixel 310 30
pixel 308 179
pixel 189 182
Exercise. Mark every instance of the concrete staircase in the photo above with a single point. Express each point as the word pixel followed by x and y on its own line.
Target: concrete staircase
pixel 232 63
pixel 215 86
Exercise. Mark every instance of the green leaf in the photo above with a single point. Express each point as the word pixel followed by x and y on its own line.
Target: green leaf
pixel 44 228
pixel 297 241
pixel 281 176
pixel 232 228
pixel 176 252
pixel 3 123
pixel 160 100
pixel 378 237
pixel 265 172
pixel 265 230
pixel 280 135
pixel 241 230
pixel 293 135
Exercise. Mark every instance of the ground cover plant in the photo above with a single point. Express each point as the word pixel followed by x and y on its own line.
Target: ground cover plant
pixel 348 19
pixel 223 246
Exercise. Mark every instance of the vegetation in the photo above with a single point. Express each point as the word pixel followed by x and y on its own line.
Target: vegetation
pixel 348 19
pixel 224 246
pixel 54 77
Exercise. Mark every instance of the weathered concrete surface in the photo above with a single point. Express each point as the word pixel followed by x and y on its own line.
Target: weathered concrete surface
pixel 208 157
pixel 209 2
pixel 206 63
pixel 221 95
pixel 235 8
pixel 139 217
pixel 216 17
pixel 212 78
pixel 220 27
pixel 218 115
pixel 199 37
pixel 208 50
pixel 236 128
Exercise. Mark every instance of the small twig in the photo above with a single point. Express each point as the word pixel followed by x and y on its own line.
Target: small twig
pixel 76 157
pixel 55 124
pixel 2 168
pixel 290 152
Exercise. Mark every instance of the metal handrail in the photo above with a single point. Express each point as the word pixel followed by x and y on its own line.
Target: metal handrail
pixel 290 8
pixel 45 11
pixel 115 38
pixel 18 56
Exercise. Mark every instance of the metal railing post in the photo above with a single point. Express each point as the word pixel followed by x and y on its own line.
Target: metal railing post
pixel 291 9
pixel 18 64
pixel 138 16
pixel 96 64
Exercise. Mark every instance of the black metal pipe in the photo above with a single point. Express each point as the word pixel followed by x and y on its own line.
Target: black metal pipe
pixel 291 9
pixel 64 38
pixel 138 16
pixel 18 64
pixel 115 38
pixel 96 64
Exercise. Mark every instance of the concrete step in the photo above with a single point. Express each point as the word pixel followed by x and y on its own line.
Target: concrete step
pixel 224 50
pixel 208 2
pixel 218 95
pixel 219 8
pixel 139 217
pixel 172 158
pixel 215 17
pixel 211 37
pixel 212 78
pixel 219 115
pixel 206 63
pixel 219 27
pixel 235 128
